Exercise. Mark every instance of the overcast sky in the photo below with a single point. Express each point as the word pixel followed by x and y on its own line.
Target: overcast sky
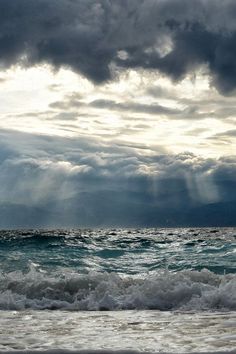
pixel 117 113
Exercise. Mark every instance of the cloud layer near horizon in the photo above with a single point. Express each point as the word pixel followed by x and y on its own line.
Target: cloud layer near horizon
pixel 64 181
pixel 96 38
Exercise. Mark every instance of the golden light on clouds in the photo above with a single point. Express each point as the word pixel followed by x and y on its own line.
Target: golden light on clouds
pixel 138 107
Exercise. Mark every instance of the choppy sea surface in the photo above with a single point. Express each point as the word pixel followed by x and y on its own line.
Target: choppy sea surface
pixel 155 290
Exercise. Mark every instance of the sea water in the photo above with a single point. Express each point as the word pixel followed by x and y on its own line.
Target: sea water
pixel 155 290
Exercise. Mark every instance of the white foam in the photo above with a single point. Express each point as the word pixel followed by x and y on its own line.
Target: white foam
pixel 186 290
pixel 146 331
pixel 59 351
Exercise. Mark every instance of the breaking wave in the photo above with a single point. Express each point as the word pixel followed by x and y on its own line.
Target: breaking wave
pixel 184 291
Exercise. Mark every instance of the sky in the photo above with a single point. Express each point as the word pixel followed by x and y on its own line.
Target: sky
pixel 117 113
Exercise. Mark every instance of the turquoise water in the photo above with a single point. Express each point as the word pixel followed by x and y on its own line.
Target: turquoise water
pixel 119 250
pixel 118 269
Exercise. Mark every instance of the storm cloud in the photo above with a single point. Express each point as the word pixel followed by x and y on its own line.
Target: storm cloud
pixel 124 151
pixel 99 38
pixel 47 181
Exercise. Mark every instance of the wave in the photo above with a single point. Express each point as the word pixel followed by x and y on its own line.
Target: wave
pixel 29 238
pixel 185 290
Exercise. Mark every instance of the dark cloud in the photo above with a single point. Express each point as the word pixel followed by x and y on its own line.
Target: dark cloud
pixel 134 107
pixel 231 133
pixel 191 110
pixel 55 181
pixel 226 136
pixel 92 37
pixel 111 105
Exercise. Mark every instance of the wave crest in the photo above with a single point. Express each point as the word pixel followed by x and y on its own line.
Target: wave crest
pixel 186 290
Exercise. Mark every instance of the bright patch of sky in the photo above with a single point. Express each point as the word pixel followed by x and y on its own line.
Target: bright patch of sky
pixel 139 108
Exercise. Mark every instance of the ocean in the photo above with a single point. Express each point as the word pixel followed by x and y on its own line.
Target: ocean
pixel 150 290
